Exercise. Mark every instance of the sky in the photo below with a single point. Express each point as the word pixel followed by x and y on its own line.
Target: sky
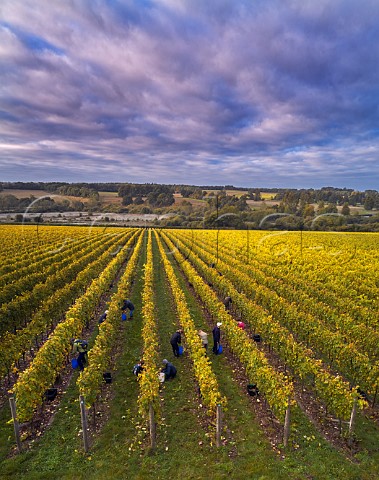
pixel 250 93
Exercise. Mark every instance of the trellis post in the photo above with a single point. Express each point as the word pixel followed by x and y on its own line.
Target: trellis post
pixel 16 426
pixel 153 428
pixel 352 421
pixel 287 424
pixel 83 415
pixel 218 426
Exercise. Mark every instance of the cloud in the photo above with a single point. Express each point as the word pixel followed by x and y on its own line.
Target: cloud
pixel 267 93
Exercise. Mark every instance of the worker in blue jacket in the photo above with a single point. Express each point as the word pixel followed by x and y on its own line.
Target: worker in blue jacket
pixel 216 332
pixel 169 370
pixel 176 340
pixel 128 305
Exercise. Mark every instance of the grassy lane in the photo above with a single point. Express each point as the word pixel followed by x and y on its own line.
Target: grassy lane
pixel 255 458
pixel 178 451
pixel 117 452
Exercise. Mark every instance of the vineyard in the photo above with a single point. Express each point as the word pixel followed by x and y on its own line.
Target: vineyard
pixel 310 343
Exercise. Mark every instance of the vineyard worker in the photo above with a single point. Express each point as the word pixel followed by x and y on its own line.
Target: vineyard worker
pixel 169 370
pixel 138 368
pixel 103 317
pixel 216 332
pixel 241 325
pixel 128 305
pixel 80 347
pixel 176 340
pixel 204 338
pixel 227 302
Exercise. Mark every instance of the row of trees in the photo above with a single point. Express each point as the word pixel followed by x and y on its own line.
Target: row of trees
pixel 293 198
pixel 267 219
pixel 338 196
pixel 289 200
pixel 153 195
pixel 77 191
pixel 53 187
pixel 10 203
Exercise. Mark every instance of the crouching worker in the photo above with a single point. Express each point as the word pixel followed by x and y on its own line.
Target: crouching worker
pixel 81 347
pixel 128 305
pixel 138 368
pixel 169 370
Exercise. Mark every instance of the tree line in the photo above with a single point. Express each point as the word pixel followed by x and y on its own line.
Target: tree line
pixel 218 207
pixel 368 198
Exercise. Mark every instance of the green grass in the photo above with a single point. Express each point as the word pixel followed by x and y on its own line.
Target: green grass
pixel 6 431
pixel 185 447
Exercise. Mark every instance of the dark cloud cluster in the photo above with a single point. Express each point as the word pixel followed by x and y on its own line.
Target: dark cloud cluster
pixel 265 93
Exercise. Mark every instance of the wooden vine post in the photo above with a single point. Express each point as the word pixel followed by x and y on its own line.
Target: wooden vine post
pixel 352 421
pixel 16 426
pixel 83 415
pixel 218 426
pixel 153 428
pixel 287 424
